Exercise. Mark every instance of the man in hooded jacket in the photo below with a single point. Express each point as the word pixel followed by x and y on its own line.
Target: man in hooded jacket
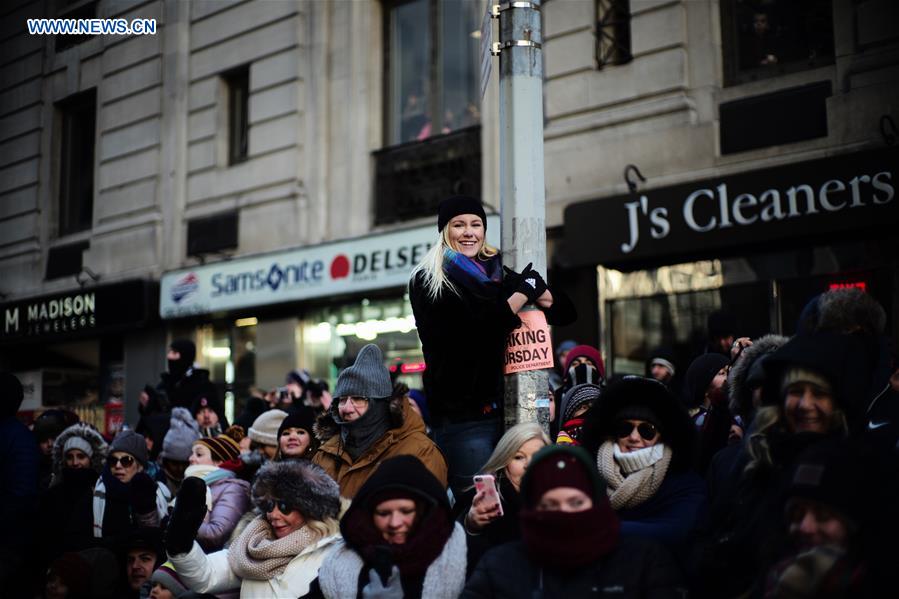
pixel 368 423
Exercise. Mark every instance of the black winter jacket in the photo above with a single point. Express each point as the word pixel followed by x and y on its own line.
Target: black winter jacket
pixel 637 569
pixel 463 337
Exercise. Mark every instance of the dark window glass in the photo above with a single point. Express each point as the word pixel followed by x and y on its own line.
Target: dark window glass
pixel 432 70
pixel 76 162
pixel 613 32
pixel 238 83
pixel 765 38
pixel 74 9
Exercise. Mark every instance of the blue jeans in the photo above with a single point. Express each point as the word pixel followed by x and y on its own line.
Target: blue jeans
pixel 467 446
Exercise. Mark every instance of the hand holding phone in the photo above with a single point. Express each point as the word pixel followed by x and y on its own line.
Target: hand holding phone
pixel 486 506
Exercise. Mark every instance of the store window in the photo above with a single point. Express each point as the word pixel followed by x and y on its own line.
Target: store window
pixel 78 115
pixel 613 32
pixel 766 38
pixel 332 336
pixel 431 68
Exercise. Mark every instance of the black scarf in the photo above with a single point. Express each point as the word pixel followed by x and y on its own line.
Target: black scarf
pixel 362 433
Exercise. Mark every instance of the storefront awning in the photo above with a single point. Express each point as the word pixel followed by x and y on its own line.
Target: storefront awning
pixel 836 196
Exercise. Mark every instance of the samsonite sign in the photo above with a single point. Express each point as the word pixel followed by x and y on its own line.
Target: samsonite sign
pixel 826 197
pixel 375 262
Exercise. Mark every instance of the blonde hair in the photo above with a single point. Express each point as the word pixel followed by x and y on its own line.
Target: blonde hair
pixel 431 265
pixel 509 445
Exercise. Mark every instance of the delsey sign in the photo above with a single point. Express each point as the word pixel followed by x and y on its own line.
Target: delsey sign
pixel 102 308
pixel 854 192
pixel 374 262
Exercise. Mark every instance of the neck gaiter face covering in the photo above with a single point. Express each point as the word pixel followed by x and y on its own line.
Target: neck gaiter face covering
pixel 567 541
pixel 360 434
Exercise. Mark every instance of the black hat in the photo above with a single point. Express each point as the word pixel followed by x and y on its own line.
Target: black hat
pixel 455 205
pixel 832 473
pixel 699 376
pixel 11 394
pixel 144 538
pixel 638 397
pixel 298 417
pixel 561 466
pixel 186 348
pixel 52 422
pixel 840 359
pixel 401 476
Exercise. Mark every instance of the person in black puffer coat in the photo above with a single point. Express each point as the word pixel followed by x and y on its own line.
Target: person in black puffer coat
pixel 571 545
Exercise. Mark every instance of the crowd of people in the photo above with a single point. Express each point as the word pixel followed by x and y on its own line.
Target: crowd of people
pixel 768 468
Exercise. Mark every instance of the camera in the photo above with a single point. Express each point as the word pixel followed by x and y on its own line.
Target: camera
pixel 316 387
pixel 283 392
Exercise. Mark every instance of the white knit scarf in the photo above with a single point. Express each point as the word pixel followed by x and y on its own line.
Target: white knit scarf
pixel 632 477
pixel 255 555
pixel 444 579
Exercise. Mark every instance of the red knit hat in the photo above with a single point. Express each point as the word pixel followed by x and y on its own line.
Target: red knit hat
pixel 224 447
pixel 554 471
pixel 589 352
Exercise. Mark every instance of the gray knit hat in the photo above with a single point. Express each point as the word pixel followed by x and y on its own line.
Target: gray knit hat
pixel 131 443
pixel 300 483
pixel 368 377
pixel 75 442
pixel 265 428
pixel 183 432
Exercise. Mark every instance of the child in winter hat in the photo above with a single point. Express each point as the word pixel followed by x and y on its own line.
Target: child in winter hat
pixel 166 584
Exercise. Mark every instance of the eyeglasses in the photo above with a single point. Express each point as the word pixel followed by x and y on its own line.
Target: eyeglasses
pixel 359 402
pixel 647 430
pixel 268 506
pixel 126 461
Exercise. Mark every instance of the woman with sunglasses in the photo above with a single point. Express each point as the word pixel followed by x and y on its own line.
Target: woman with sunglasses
pixel 643 443
pixel 399 539
pixel 279 552
pixel 125 496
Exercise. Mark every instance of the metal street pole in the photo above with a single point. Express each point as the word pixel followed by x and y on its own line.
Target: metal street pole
pixel 522 193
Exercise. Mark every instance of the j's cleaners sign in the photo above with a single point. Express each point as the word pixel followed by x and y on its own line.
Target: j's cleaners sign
pixel 822 197
pixel 374 262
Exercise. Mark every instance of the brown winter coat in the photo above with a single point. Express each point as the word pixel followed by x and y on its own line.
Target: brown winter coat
pixel 406 437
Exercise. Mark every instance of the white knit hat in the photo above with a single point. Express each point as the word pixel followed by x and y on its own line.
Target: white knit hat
pixel 265 428
pixel 76 442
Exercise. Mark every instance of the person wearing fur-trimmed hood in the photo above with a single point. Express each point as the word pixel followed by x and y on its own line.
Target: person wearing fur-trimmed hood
pixel 79 454
pixel 280 551
pixel 367 423
pixel 399 539
pixel 643 441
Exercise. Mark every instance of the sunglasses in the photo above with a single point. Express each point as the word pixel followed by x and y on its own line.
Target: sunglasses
pixel 359 402
pixel 268 506
pixel 126 461
pixel 647 430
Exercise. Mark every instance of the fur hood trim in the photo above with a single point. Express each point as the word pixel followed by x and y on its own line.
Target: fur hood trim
pixel 325 427
pixel 740 397
pixel 89 434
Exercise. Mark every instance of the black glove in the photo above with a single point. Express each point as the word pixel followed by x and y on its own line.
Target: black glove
pixel 142 493
pixel 511 280
pixel 532 284
pixel 190 509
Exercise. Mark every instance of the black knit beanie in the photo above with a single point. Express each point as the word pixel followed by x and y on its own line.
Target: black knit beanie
pixel 302 417
pixel 455 205
pixel 699 376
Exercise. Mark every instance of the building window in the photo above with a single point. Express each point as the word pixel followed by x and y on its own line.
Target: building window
pixel 73 9
pixel 432 71
pixel 237 83
pixel 774 37
pixel 76 163
pixel 613 32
